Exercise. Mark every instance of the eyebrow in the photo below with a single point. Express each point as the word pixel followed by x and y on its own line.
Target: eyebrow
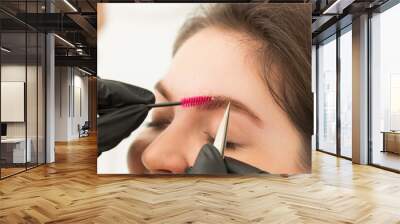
pixel 218 102
pixel 162 90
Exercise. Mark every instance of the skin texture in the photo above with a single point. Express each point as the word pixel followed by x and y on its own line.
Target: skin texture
pixel 217 62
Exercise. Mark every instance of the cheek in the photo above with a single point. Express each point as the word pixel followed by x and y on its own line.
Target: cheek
pixel 275 151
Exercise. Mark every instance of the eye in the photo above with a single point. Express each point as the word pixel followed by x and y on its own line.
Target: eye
pixel 229 145
pixel 158 124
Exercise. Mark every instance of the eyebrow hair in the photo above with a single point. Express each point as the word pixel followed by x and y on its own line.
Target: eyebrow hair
pixel 218 102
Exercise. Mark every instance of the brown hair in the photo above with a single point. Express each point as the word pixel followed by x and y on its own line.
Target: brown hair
pixel 283 34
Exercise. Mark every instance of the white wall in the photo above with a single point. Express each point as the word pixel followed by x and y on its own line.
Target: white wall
pixel 61 103
pixel 68 82
pixel 80 84
pixel 12 73
pixel 134 45
pixel 33 127
pixel 134 41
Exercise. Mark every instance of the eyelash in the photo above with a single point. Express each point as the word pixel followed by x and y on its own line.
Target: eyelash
pixel 162 124
pixel 229 145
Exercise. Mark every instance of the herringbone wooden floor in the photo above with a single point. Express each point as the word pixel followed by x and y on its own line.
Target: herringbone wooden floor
pixel 69 191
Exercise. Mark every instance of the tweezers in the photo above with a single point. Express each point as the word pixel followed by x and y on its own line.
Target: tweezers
pixel 220 138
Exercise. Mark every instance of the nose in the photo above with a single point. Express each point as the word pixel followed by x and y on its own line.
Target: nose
pixel 172 151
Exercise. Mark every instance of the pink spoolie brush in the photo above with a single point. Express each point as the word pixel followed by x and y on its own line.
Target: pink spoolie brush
pixel 185 102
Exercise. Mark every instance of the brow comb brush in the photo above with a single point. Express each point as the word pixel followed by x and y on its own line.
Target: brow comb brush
pixel 185 102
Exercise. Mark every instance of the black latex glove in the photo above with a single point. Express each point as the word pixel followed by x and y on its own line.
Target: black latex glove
pixel 122 109
pixel 210 161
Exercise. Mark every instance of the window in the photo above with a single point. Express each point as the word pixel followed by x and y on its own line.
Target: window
pixel 346 92
pixel 394 102
pixel 385 89
pixel 327 95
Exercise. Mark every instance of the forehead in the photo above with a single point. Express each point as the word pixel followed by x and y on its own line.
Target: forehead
pixel 215 61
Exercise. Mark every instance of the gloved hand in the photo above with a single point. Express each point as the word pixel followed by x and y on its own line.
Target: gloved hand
pixel 122 109
pixel 210 161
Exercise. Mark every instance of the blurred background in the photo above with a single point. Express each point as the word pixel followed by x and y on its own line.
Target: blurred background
pixel 134 45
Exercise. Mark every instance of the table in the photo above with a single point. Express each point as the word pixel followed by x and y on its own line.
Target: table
pixel 13 150
pixel 391 141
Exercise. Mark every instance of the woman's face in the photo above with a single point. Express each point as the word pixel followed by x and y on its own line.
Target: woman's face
pixel 214 62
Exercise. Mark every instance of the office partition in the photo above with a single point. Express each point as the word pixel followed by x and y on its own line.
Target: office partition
pixel 22 77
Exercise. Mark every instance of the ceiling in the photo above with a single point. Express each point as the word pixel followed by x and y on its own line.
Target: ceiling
pixel 75 21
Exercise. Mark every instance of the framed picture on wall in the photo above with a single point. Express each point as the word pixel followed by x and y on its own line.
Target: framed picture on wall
pixel 172 76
